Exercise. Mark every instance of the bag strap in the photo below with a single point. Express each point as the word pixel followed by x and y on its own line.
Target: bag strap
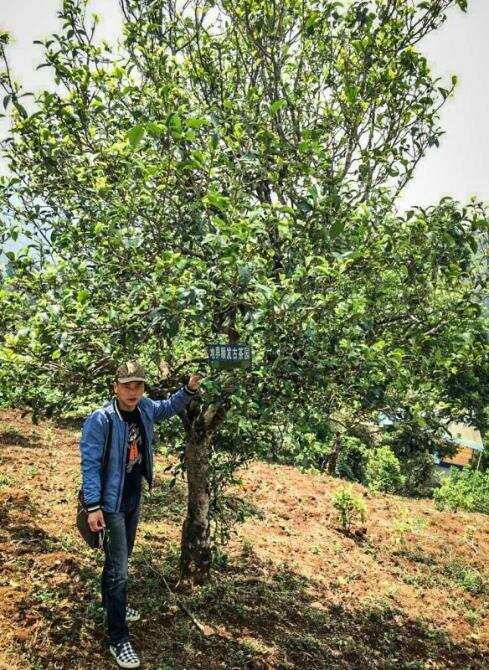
pixel 105 456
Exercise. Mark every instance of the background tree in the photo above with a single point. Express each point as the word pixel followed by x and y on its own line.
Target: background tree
pixel 230 171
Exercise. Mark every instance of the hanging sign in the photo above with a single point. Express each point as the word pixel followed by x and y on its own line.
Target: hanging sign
pixel 227 356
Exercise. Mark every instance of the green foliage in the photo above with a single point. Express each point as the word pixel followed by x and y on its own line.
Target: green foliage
pixel 470 579
pixel 308 452
pixel 352 458
pixel 414 440
pixel 420 475
pixel 232 178
pixel 466 490
pixel 383 471
pixel 350 507
pixel 258 207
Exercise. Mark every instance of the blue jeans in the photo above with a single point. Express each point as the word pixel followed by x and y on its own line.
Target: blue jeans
pixel 118 544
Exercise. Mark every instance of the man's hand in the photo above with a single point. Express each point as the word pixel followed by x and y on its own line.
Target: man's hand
pixel 96 520
pixel 194 382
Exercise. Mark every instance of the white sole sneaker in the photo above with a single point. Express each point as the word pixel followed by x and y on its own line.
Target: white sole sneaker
pixel 124 663
pixel 132 615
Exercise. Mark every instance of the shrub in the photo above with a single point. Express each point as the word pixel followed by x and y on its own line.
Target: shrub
pixel 468 578
pixel 466 490
pixel 383 472
pixel 421 477
pixel 309 452
pixel 414 446
pixel 350 507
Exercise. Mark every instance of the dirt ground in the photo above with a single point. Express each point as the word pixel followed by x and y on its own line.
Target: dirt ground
pixel 408 590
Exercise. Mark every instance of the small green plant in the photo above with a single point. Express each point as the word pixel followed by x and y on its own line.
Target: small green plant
pixel 468 578
pixel 49 597
pixel 48 435
pixel 350 507
pixel 220 558
pixel 406 524
pixel 473 617
pixel 466 490
pixel 246 547
pixel 4 481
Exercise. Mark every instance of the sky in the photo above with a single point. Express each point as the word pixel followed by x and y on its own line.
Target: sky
pixel 459 167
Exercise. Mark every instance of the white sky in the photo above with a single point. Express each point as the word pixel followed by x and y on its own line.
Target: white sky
pixel 460 167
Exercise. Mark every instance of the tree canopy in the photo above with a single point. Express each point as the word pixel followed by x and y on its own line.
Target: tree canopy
pixel 229 172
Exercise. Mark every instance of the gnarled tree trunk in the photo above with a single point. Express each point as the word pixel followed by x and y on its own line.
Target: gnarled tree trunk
pixel 195 557
pixel 196 551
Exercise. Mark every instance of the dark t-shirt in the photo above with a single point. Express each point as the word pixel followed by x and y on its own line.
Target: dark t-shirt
pixel 134 459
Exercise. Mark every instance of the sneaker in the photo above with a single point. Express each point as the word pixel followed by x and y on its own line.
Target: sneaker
pixel 131 614
pixel 125 655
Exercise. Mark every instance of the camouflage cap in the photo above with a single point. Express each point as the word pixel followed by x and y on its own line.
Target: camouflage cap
pixel 132 371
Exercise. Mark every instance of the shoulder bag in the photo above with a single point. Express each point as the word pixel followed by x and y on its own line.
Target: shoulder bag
pixel 95 540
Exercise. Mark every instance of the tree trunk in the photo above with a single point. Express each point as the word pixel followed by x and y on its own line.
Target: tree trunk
pixel 333 457
pixel 195 557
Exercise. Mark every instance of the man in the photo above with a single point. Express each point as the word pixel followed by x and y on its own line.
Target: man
pixel 129 420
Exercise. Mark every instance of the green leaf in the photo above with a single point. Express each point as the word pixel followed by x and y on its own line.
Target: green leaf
pixel 174 122
pixel 154 129
pixel 198 156
pixel 276 105
pixel 135 135
pixel 196 122
pixel 245 274
pixel 304 206
pixel 82 296
pixel 337 228
pixel 473 244
pixel 351 93
pixel 216 200
pixel 304 146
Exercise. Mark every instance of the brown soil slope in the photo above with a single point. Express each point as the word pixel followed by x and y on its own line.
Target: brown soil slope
pixel 290 590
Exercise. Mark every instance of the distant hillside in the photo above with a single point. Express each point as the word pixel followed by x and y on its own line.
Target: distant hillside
pixel 291 590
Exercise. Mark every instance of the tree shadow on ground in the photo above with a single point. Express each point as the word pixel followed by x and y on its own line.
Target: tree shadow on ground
pixel 19 531
pixel 263 617
pixel 274 618
pixel 69 423
pixel 14 438
pixel 168 502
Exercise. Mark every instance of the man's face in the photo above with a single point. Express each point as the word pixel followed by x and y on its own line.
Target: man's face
pixel 129 394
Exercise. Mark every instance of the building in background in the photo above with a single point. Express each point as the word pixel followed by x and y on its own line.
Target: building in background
pixel 470 449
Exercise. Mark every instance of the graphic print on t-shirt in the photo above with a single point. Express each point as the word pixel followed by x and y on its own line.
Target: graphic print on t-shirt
pixel 134 454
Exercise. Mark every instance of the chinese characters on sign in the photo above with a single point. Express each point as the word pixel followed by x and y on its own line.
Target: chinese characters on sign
pixel 229 355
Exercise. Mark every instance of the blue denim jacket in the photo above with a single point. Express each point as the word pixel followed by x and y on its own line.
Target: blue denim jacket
pixel 94 435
